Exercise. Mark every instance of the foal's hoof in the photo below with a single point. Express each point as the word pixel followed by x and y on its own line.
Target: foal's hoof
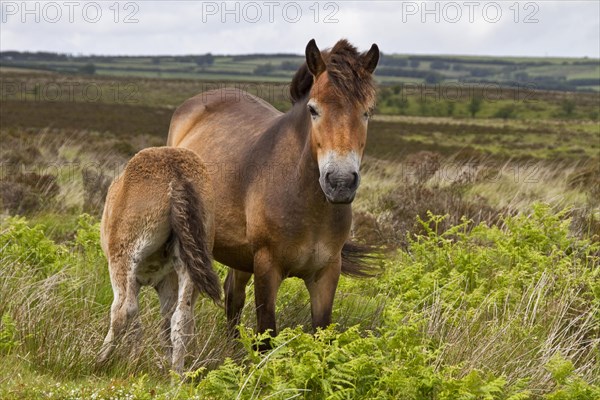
pixel 100 363
pixel 104 355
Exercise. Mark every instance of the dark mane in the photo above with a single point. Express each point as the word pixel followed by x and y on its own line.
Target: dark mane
pixel 349 78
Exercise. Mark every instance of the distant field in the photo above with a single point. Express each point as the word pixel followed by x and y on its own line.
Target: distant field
pixel 542 73
pixel 168 90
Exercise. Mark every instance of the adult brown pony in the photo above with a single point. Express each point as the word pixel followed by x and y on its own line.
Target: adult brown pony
pixel 157 229
pixel 284 182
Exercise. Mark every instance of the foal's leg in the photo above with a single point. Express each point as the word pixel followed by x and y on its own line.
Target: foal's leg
pixel 235 297
pixel 124 309
pixel 267 279
pixel 167 293
pixel 182 321
pixel 321 288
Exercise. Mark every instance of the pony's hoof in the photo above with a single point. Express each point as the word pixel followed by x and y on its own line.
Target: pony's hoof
pixel 263 346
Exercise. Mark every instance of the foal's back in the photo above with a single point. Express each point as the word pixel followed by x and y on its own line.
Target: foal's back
pixel 139 201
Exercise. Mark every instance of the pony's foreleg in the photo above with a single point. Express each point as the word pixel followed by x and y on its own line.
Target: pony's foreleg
pixel 235 297
pixel 267 279
pixel 321 288
pixel 124 309
pixel 182 321
pixel 167 293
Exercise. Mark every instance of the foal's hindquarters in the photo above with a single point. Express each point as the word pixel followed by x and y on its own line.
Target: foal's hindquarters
pixel 158 229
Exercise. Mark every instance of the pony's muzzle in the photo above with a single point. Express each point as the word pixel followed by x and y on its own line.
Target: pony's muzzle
pixel 341 188
pixel 339 184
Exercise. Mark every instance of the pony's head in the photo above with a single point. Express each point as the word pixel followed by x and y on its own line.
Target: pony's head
pixel 339 94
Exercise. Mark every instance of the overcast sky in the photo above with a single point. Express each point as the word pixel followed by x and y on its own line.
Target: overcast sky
pixel 534 28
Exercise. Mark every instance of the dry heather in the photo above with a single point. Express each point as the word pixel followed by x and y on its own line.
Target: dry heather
pixel 479 190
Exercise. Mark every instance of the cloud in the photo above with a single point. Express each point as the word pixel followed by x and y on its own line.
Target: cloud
pixel 539 28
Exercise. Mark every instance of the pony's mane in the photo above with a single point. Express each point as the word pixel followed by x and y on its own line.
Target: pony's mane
pixel 349 78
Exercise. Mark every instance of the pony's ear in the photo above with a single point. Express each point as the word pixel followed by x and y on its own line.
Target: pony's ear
pixel 371 58
pixel 314 61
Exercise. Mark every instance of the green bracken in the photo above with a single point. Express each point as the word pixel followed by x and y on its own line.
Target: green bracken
pixel 507 311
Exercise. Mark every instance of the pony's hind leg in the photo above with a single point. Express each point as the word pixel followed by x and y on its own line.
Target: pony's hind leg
pixel 235 297
pixel 124 309
pixel 182 321
pixel 167 293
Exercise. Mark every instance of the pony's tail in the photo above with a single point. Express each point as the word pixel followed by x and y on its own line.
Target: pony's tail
pixel 357 260
pixel 190 235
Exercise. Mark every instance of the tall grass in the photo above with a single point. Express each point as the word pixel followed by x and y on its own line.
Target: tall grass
pixel 58 296
pixel 507 311
pixel 498 299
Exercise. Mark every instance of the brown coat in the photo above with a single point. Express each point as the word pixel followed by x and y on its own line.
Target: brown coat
pixel 157 229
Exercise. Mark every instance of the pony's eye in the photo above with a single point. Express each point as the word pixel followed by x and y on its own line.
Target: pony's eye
pixel 313 111
pixel 367 115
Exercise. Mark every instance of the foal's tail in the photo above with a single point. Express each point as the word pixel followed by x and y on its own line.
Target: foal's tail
pixel 357 261
pixel 190 233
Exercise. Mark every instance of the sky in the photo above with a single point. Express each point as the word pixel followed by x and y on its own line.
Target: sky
pixel 501 28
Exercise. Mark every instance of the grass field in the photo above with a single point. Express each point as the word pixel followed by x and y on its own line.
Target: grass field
pixel 544 73
pixel 489 229
pixel 400 98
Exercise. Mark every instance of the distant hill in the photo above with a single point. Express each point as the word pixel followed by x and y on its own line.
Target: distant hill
pixel 565 74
